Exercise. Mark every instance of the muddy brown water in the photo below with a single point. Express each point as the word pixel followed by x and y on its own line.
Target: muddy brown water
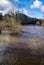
pixel 24 49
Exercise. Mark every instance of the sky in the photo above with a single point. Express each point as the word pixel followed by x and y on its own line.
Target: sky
pixel 31 8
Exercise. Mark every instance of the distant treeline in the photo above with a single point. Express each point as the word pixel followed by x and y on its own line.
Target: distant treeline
pixel 23 19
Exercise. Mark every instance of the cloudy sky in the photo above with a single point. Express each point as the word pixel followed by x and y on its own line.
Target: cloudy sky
pixel 32 8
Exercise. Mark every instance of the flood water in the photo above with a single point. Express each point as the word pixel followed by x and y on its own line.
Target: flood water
pixel 34 30
pixel 27 48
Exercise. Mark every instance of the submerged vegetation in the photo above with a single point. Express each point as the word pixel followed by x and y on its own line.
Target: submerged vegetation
pixel 9 23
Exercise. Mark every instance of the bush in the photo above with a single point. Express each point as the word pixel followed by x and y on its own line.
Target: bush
pixel 1 16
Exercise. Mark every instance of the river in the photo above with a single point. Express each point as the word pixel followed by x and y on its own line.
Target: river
pixel 29 42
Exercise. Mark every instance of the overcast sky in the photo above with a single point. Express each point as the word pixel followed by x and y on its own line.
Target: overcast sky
pixel 32 8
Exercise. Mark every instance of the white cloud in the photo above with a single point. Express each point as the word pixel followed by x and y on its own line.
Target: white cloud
pixel 32 6
pixel 42 8
pixel 36 4
pixel 24 11
pixel 7 5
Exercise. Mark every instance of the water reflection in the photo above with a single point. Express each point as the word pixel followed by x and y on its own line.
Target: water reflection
pixel 34 30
